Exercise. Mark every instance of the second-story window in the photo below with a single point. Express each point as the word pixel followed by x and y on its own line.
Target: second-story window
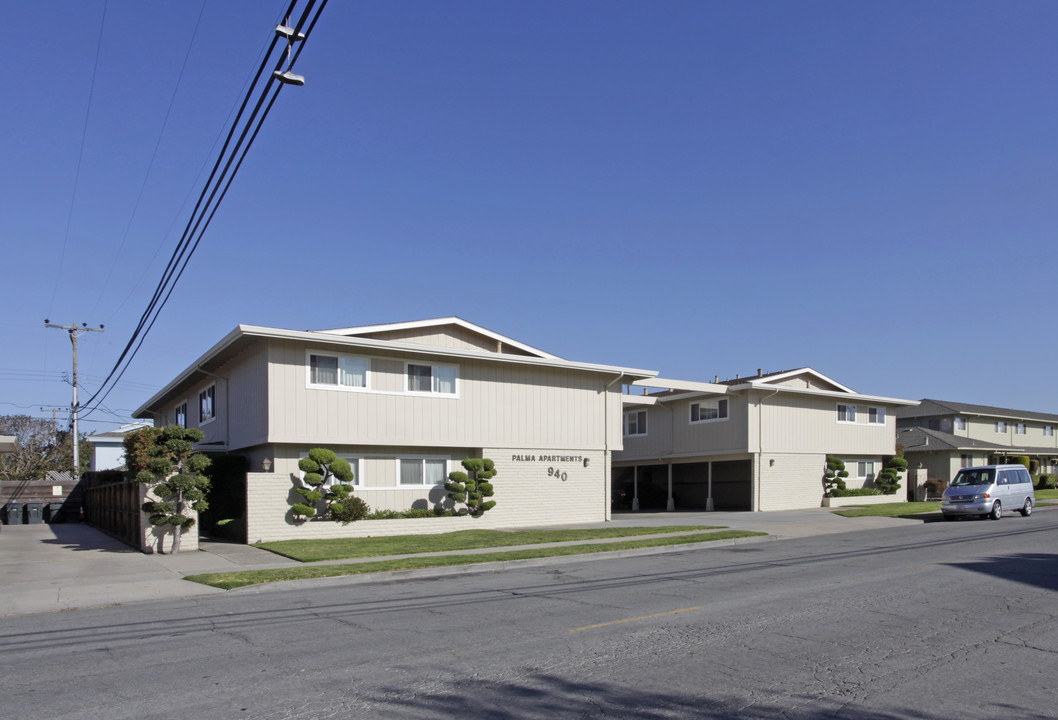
pixel 437 379
pixel 180 415
pixel 1001 426
pixel 709 410
pixel 207 408
pixel 1019 429
pixel 960 423
pixel 337 371
pixel 847 413
pixel 876 415
pixel 636 422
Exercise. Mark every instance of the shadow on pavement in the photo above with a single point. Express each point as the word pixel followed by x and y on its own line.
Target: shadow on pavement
pixel 549 696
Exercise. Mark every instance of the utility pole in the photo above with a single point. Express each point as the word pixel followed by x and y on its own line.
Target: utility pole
pixel 75 332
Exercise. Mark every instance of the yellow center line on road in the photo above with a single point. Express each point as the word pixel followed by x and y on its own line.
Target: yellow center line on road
pixel 627 620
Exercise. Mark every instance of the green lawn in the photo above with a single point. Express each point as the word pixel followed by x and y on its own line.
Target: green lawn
pixel 230 580
pixel 917 509
pixel 345 548
pixel 896 509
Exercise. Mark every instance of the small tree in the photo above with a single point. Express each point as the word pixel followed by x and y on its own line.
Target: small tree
pixel 834 476
pixel 472 487
pixel 888 480
pixel 326 483
pixel 165 461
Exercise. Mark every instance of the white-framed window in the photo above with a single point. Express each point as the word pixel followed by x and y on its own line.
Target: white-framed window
pixel 966 460
pixel 1001 426
pixel 354 464
pixel 960 423
pixel 709 410
pixel 432 379
pixel 1048 430
pixel 847 413
pixel 864 469
pixel 180 414
pixel 422 471
pixel 1019 429
pixel 334 371
pixel 876 415
pixel 207 404
pixel 636 422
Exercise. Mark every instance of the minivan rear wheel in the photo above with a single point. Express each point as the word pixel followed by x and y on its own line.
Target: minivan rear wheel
pixel 997 510
pixel 1026 510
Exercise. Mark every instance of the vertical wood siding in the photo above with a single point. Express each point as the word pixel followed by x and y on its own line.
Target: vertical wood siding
pixel 498 404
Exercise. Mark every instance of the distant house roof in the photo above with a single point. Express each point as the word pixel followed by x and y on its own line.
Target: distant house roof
pixel 931 408
pixel 117 435
pixel 8 444
pixel 920 439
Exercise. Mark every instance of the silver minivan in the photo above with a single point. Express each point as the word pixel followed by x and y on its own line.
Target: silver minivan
pixel 989 490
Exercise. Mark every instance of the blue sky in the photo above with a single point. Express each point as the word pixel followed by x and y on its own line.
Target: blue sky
pixel 698 188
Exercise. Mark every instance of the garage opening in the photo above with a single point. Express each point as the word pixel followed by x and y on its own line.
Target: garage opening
pixel 732 486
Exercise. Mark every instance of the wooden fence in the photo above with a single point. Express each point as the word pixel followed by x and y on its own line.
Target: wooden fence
pixel 114 508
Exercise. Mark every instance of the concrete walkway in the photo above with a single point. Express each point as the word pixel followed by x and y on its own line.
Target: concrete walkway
pixel 51 568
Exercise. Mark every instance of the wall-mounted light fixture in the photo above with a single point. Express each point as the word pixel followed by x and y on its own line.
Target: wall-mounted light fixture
pixel 266 465
pixel 771 463
pixel 586 461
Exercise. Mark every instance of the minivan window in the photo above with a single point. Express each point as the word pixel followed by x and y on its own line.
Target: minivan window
pixel 982 476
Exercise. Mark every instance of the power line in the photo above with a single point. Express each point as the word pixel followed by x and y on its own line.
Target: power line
pixel 216 186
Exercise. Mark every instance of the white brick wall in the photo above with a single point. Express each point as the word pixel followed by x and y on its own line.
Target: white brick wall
pixel 794 481
pixel 160 540
pixel 526 496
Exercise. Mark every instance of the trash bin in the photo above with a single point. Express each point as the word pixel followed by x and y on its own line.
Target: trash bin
pixel 34 513
pixel 13 513
pixel 53 512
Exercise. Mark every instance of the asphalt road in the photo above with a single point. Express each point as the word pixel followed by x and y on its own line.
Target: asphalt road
pixel 941 620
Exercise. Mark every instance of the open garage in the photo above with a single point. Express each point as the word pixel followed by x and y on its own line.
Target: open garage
pixel 732 485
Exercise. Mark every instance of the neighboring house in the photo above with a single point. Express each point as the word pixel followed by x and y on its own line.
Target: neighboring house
pixel 405 403
pixel 755 443
pixel 943 436
pixel 108 448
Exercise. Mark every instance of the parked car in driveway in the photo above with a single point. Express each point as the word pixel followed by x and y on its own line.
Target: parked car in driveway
pixel 987 491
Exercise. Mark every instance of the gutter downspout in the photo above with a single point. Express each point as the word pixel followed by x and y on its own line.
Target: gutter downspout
pixel 607 470
pixel 760 441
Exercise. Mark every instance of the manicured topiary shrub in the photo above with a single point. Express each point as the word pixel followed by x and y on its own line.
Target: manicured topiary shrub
pixel 168 465
pixel 834 476
pixel 888 480
pixel 326 482
pixel 472 487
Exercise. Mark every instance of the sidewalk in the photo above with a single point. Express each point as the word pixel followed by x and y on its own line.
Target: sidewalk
pixel 51 568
